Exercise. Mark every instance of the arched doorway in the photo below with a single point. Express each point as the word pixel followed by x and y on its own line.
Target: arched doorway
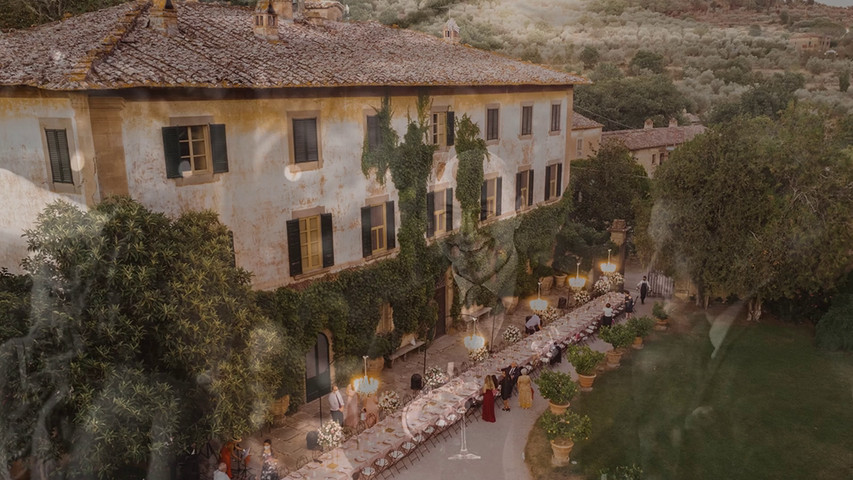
pixel 318 379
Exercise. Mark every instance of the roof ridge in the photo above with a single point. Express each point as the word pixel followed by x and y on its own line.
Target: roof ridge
pixel 83 67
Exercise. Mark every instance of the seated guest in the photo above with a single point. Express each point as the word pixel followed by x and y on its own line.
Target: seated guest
pixel 534 324
pixel 556 354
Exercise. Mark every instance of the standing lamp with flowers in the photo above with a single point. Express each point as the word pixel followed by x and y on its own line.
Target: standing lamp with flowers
pixel 539 304
pixel 608 267
pixel 578 282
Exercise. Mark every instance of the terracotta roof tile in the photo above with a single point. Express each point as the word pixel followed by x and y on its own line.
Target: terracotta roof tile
pixel 653 137
pixel 216 47
pixel 579 122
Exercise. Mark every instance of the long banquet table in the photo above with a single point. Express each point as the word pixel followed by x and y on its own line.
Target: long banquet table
pixel 445 405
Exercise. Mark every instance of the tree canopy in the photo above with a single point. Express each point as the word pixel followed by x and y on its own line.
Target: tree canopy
pixel 624 103
pixel 141 337
pixel 607 186
pixel 758 208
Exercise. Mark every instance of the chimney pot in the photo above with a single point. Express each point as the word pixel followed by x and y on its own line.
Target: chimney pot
pixel 673 122
pixel 648 124
pixel 163 17
pixel 451 31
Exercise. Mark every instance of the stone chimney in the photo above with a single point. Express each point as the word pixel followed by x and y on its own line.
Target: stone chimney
pixel 319 12
pixel 673 122
pixel 265 21
pixel 163 17
pixel 284 10
pixel 649 124
pixel 451 31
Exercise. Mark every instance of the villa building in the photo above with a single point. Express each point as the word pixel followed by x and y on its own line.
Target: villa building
pixel 651 146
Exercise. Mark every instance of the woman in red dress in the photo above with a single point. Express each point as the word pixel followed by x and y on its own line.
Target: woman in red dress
pixel 489 399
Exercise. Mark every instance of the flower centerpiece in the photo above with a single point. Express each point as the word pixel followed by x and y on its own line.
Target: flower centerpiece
pixel 479 354
pixel 512 334
pixel 435 377
pixel 581 297
pixel 331 435
pixel 602 286
pixel 558 388
pixel 562 430
pixel 389 401
pixel 549 315
pixel 616 279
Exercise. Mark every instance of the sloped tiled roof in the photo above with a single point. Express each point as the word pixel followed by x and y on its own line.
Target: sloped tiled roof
pixel 653 137
pixel 216 47
pixel 579 122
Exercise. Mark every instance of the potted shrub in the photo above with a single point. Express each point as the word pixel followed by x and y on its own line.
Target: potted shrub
pixel 379 348
pixel 619 336
pixel 660 314
pixel 546 276
pixel 562 431
pixel 641 327
pixel 558 388
pixel 584 359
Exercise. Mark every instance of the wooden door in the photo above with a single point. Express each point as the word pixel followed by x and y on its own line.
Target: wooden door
pixel 318 379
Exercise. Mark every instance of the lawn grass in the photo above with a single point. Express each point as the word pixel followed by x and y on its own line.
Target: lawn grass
pixel 765 404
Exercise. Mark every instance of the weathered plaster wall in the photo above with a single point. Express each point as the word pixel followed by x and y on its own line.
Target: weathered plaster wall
pixel 591 140
pixel 262 190
pixel 25 177
pixel 644 158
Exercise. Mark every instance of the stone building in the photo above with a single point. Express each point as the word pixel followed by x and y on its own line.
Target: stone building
pixel 651 146
pixel 809 42
pixel 586 135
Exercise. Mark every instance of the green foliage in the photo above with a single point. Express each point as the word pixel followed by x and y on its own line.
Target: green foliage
pixel 381 156
pixel 627 102
pixel 835 329
pixel 608 186
pixel 471 151
pixel 606 71
pixel 578 242
pixel 646 60
pixel 14 304
pixel 618 335
pixel 568 425
pixel 769 97
pixel 557 387
pixel 659 312
pixel 843 81
pixel 589 56
pixel 141 337
pixel 761 207
pixel 584 359
pixel 640 326
pixel 26 13
pixel 623 472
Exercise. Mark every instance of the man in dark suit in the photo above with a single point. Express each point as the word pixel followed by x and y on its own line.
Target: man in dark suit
pixel 506 385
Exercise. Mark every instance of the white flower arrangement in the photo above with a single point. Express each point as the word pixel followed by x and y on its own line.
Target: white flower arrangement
pixel 581 297
pixel 549 315
pixel 389 401
pixel 478 355
pixel 331 435
pixel 616 279
pixel 435 377
pixel 512 334
pixel 602 286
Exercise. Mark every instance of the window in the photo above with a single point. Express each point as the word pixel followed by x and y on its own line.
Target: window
pixel 553 181
pixel 60 158
pixel 555 117
pixel 654 159
pixel 195 149
pixel 490 198
pixel 373 137
pixel 492 123
pixel 523 189
pixel 439 212
pixel 527 120
pixel 310 243
pixel 305 148
pixel 442 128
pixel 377 228
pixel 579 153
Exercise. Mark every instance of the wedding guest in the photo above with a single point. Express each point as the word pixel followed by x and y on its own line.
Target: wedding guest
pixel 533 325
pixel 525 390
pixel 489 399
pixel 220 473
pixel 506 386
pixel 351 410
pixel 269 468
pixel 371 408
pixel 607 316
pixel 629 305
pixel 336 405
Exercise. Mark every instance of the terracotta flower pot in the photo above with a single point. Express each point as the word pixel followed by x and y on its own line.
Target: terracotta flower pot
pixel 547 282
pixel 585 382
pixel 560 281
pixel 638 343
pixel 661 325
pixel 562 448
pixel 614 357
pixel 558 409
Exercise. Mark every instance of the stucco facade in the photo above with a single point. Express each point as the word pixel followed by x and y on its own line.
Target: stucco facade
pixel 585 136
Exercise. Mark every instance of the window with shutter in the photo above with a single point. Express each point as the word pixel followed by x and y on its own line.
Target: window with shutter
pixel 492 117
pixel 527 120
pixel 195 149
pixel 553 181
pixel 438 129
pixel 60 157
pixel 522 190
pixel 305 148
pixel 310 242
pixel 373 138
pixel 579 153
pixel 378 236
pixel 491 198
pixel 555 117
pixel 440 212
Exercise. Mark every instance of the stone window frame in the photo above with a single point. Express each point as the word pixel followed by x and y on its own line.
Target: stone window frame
pixel 291 161
pixel 559 130
pixel 195 177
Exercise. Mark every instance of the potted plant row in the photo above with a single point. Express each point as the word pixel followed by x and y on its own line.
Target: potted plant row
pixel 584 359
pixel 619 336
pixel 641 327
pixel 562 431
pixel 558 388
pixel 659 312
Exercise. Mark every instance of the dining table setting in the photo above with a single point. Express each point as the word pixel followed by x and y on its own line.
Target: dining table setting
pixel 396 435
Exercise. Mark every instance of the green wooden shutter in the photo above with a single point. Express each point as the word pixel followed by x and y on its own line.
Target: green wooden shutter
pixel 547 183
pixel 530 187
pixel 560 180
pixel 498 196
pixel 451 128
pixel 518 191
pixel 326 231
pixel 449 206
pixel 390 227
pixel 372 132
pixel 172 151
pixel 484 212
pixel 366 244
pixel 305 140
pixel 430 214
pixel 294 248
pixel 219 148
pixel 311 135
pixel 60 159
